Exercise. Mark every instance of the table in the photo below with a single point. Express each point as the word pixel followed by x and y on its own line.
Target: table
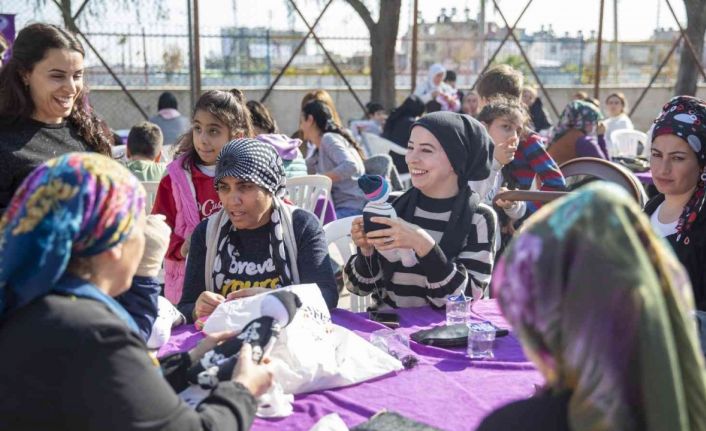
pixel 446 390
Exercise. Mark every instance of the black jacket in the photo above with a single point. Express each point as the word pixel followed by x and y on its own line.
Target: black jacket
pixel 691 252
pixel 71 364
pixel 543 412
pixel 27 144
pixel 540 119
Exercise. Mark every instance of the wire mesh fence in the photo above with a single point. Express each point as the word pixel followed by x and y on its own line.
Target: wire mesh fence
pixel 146 45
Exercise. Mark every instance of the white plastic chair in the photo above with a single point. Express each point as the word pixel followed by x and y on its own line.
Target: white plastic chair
pixel 306 191
pixel 374 144
pixel 340 249
pixel 151 189
pixel 625 143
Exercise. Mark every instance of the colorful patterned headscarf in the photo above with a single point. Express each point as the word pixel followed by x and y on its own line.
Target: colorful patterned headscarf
pixel 580 115
pixel 685 117
pixel 76 205
pixel 603 307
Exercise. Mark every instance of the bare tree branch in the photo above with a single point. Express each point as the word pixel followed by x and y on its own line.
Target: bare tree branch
pixel 364 13
pixel 80 9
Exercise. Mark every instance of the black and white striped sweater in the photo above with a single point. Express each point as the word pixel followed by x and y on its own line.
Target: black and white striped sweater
pixel 436 276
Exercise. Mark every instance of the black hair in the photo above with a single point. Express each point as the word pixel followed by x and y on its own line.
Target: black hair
pixel 372 107
pixel 261 117
pixel 167 100
pixel 324 121
pixel 450 76
pixel 30 47
pixel 411 107
pixel 499 107
pixel 229 108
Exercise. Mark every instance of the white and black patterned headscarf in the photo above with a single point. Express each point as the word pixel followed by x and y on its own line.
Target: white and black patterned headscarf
pixel 257 162
pixel 254 161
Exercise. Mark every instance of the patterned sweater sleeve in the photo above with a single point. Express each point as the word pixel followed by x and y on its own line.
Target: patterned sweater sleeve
pixel 548 173
pixel 363 273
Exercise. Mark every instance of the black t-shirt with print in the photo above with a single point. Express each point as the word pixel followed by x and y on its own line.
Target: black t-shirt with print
pixel 245 261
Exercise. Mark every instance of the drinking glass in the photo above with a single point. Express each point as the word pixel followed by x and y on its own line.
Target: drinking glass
pixel 458 309
pixel 481 336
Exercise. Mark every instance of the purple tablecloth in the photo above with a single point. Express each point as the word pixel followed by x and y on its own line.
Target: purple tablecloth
pixel 644 177
pixel 446 390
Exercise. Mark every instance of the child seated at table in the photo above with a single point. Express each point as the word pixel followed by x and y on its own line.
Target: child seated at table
pixel 451 232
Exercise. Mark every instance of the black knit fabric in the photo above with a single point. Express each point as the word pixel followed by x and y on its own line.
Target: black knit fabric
pixel 25 145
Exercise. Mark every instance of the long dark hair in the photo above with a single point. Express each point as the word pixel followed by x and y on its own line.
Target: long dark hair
pixel 411 107
pixel 261 117
pixel 229 108
pixel 323 118
pixel 29 48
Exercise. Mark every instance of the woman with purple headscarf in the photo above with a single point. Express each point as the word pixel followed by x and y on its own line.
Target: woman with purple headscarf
pixel 603 309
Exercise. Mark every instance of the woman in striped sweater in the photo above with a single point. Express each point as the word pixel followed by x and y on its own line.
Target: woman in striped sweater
pixel 440 218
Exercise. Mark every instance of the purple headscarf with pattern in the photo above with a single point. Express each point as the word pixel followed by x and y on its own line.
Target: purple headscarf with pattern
pixel 603 307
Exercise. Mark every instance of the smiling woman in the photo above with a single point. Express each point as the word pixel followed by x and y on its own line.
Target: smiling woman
pixel 43 109
pixel 451 233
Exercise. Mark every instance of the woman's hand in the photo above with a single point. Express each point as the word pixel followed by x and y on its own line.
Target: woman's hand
pixel 244 293
pixel 209 343
pixel 400 234
pixel 206 303
pixel 359 238
pixel 257 378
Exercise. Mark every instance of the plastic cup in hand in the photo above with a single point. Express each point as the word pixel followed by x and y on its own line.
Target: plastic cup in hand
pixel 458 310
pixel 480 340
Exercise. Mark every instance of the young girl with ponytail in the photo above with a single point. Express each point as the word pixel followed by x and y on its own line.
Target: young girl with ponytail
pixel 337 155
pixel 187 194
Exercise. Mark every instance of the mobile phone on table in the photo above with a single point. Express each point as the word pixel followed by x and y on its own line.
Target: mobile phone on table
pixel 370 226
pixel 391 320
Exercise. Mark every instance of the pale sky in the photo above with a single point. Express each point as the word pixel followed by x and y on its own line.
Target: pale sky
pixel 637 18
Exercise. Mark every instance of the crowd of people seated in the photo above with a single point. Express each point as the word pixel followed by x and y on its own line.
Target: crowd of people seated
pixel 610 315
